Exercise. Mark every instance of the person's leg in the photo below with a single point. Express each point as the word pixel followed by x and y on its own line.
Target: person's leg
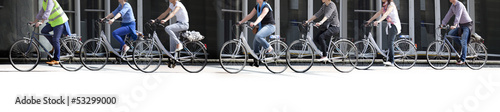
pixel 173 29
pixel 463 42
pixel 392 35
pixel 320 43
pixel 45 31
pixel 119 33
pixel 260 37
pixel 454 32
pixel 323 37
pixel 58 31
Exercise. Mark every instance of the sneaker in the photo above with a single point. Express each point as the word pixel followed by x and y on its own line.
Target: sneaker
pixel 324 59
pixel 125 49
pixel 387 63
pixel 460 62
pixel 53 62
pixel 270 49
pixel 179 48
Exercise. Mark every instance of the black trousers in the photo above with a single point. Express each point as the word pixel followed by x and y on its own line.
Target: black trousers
pixel 323 38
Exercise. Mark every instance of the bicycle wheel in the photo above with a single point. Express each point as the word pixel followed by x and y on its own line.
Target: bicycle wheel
pixel 147 56
pixel 70 58
pixel 366 55
pixel 275 60
pixel 24 55
pixel 193 57
pixel 343 55
pixel 94 54
pixel 477 55
pixel 438 55
pixel 233 57
pixel 405 54
pixel 300 56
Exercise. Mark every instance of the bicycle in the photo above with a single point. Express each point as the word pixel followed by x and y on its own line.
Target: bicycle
pixel 24 55
pixel 438 54
pixel 95 52
pixel 234 53
pixel 405 51
pixel 148 54
pixel 301 53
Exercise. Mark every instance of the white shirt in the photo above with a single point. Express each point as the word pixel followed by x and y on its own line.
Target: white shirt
pixel 394 16
pixel 182 14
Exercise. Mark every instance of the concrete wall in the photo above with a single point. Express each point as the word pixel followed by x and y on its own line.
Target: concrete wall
pixel 15 15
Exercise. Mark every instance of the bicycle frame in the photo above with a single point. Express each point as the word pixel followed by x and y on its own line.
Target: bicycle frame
pixel 369 38
pixel 309 41
pixel 34 40
pixel 242 41
pixel 447 41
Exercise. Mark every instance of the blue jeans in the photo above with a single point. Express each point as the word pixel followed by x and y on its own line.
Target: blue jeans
pixel 126 29
pixel 54 39
pixel 393 31
pixel 462 40
pixel 260 37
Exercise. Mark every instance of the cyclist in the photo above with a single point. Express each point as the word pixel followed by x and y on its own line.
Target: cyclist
pixel 463 23
pixel 124 10
pixel 329 25
pixel 390 13
pixel 177 9
pixel 266 26
pixel 58 22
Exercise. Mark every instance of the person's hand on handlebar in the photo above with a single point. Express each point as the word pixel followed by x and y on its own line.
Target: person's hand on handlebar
pixel 36 23
pixel 163 21
pixel 453 27
pixel 252 24
pixel 318 24
pixel 375 23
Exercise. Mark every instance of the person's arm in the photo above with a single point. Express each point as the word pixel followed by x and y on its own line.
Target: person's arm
pixel 389 10
pixel 163 15
pixel 44 14
pixel 376 15
pixel 249 16
pixel 458 15
pixel 328 14
pixel 123 11
pixel 172 14
pixel 261 17
pixel 448 16
pixel 112 14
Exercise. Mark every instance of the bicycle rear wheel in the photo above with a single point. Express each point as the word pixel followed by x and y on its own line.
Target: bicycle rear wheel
pixel 438 55
pixel 477 55
pixel 343 55
pixel 300 56
pixel 193 57
pixel 405 54
pixel 275 60
pixel 24 55
pixel 366 55
pixel 70 58
pixel 94 54
pixel 233 57
pixel 147 56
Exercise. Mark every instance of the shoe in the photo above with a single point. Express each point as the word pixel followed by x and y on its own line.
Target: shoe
pixel 179 48
pixel 125 49
pixel 255 63
pixel 460 62
pixel 53 62
pixel 324 59
pixel 387 63
pixel 270 49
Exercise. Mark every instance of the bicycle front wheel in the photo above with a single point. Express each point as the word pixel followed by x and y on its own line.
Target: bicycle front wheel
pixel 300 56
pixel 343 55
pixel 405 54
pixel 70 58
pixel 24 55
pixel 438 55
pixel 147 56
pixel 193 57
pixel 366 55
pixel 275 60
pixel 477 55
pixel 233 57
pixel 94 55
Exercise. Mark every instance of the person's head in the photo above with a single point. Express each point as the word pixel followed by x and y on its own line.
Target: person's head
pixel 120 1
pixel 172 1
pixel 453 1
pixel 324 1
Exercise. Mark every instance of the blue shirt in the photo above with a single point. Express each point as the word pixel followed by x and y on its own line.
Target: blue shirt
pixel 126 12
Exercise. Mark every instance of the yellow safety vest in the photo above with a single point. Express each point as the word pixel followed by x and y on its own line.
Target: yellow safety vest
pixel 57 16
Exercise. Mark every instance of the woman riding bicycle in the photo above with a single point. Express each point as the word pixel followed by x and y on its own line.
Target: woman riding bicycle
pixel 124 10
pixel 390 13
pixel 329 25
pixel 266 27
pixel 58 22
pixel 177 9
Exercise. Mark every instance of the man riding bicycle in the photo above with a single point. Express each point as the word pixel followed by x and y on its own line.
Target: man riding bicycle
pixel 58 22
pixel 462 25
